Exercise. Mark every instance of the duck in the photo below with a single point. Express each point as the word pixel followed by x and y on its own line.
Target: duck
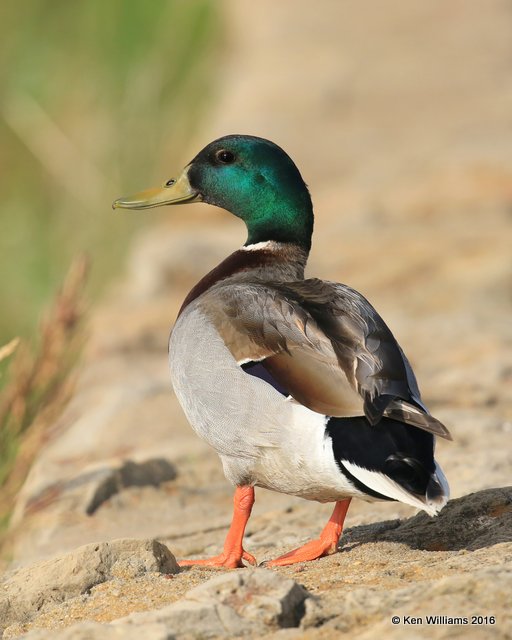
pixel 297 383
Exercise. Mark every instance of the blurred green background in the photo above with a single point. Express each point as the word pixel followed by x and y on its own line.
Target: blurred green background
pixel 91 93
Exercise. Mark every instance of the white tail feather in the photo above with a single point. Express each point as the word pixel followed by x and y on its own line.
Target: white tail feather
pixel 386 486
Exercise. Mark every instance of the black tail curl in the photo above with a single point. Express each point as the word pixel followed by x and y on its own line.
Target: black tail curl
pixel 402 452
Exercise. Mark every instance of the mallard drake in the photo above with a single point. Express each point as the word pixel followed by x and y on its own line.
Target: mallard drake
pixel 298 384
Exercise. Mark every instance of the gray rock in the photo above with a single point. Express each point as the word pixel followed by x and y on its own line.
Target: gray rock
pixel 475 521
pixel 186 618
pixel 246 601
pixel 26 591
pixel 472 522
pixel 97 631
pixel 132 474
pixel 260 595
pixel 366 613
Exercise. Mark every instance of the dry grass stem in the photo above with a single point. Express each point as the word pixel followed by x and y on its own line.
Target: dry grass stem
pixel 39 385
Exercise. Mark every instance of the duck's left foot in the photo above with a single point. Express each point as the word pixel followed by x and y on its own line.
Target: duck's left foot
pixel 325 545
pixel 310 551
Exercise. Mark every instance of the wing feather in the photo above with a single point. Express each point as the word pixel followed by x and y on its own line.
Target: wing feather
pixel 325 343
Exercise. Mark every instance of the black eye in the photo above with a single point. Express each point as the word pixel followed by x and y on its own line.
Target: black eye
pixel 225 156
pixel 170 182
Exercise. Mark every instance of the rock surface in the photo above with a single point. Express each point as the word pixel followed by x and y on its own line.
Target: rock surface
pixel 399 119
pixel 252 601
pixel 31 590
pixel 460 563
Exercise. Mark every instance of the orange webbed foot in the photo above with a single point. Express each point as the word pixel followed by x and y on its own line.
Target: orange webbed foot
pixel 311 551
pixel 231 560
pixel 325 545
pixel 233 553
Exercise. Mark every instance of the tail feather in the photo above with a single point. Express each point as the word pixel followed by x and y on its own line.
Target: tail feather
pixel 390 460
pixel 405 412
pixel 389 488
pixel 438 490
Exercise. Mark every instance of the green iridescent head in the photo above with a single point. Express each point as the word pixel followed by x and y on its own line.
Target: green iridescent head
pixel 250 177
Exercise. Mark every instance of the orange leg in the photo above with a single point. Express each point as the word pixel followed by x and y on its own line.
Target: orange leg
pixel 233 552
pixel 325 545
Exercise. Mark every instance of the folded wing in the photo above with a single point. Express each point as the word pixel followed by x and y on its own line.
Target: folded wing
pixel 325 344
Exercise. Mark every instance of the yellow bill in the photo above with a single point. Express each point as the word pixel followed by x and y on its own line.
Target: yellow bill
pixel 173 192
